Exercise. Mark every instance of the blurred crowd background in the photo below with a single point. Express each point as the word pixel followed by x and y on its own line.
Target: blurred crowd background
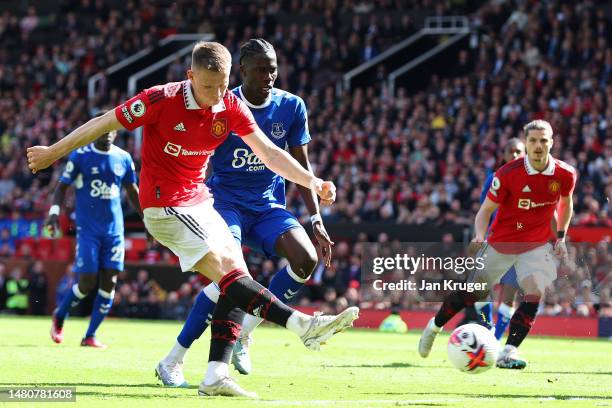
pixel 413 157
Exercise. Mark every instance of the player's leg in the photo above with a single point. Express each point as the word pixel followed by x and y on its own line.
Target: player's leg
pixel 170 369
pixel 203 242
pixel 495 264
pixel 86 268
pixel 535 270
pixel 484 313
pixel 112 253
pixel 509 288
pixel 101 306
pixel 277 233
pixel 241 290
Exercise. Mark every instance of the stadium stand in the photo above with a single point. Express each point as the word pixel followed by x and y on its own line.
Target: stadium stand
pixel 417 157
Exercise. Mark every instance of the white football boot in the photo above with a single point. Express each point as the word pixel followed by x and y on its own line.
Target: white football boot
pixel 428 337
pixel 171 374
pixel 322 327
pixel 226 387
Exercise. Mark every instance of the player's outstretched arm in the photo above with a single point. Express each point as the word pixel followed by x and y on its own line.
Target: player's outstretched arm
pixel 41 157
pixel 281 162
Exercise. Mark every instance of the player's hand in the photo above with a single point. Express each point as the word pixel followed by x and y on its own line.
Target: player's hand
pixel 52 225
pixel 326 190
pixel 475 246
pixel 560 249
pixel 324 241
pixel 39 158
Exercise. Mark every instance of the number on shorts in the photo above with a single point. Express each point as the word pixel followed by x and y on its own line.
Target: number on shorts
pixel 117 253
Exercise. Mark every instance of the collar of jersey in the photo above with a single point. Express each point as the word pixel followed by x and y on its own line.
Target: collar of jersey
pixel 95 149
pixel 548 171
pixel 250 105
pixel 192 104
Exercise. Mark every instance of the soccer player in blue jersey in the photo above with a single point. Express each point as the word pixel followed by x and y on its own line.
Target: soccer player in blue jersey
pixel 513 149
pixel 251 200
pixel 97 172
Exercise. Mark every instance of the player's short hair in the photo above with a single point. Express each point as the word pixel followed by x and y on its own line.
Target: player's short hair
pixel 538 124
pixel 256 46
pixel 211 56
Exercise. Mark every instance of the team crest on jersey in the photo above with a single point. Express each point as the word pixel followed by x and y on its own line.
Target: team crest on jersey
pixel 277 130
pixel 554 186
pixel 119 169
pixel 219 127
pixel 138 108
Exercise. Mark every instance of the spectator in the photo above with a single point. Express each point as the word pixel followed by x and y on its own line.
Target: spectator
pixel 17 290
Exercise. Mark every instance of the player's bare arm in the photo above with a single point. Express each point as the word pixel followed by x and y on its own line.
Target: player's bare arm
pixel 281 162
pixel 564 216
pixel 132 195
pixel 41 157
pixel 481 223
pixel 300 153
pixel 52 221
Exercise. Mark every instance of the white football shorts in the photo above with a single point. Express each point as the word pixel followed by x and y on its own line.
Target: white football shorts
pixel 189 232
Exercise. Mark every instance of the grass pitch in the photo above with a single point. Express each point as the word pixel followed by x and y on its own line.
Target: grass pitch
pixel 358 368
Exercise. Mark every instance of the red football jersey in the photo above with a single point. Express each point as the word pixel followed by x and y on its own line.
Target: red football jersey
pixel 179 137
pixel 527 201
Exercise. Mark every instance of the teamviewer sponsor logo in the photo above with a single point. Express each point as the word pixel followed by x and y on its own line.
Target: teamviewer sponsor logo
pixel 172 149
pixel 177 150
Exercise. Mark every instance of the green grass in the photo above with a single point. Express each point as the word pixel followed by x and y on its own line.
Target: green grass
pixel 356 369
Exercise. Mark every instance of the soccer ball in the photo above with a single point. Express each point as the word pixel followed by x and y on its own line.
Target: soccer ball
pixel 472 348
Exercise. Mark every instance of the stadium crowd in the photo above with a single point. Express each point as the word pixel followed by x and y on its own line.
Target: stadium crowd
pixel 411 158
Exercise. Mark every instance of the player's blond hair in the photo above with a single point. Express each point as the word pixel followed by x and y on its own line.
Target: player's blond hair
pixel 211 56
pixel 538 124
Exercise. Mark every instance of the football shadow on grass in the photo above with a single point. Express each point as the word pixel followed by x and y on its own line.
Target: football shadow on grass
pixel 102 385
pixel 468 395
pixel 25 345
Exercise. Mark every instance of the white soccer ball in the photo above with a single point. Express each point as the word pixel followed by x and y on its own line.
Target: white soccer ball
pixel 472 348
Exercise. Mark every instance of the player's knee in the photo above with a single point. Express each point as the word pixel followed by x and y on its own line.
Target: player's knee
pixel 220 261
pixel 304 265
pixel 87 283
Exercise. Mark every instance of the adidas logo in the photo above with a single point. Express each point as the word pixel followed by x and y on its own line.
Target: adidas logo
pixel 180 127
pixel 526 189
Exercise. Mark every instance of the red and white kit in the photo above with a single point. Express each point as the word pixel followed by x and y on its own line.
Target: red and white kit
pixel 179 138
pixel 519 235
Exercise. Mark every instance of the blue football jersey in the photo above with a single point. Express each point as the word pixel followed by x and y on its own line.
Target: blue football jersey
pixel 238 176
pixel 97 177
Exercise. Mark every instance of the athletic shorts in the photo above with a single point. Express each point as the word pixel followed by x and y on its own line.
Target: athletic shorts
pixel 189 232
pixel 257 230
pixel 539 262
pixel 94 253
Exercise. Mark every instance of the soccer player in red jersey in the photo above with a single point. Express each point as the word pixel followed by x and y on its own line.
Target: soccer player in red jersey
pixel 525 192
pixel 183 124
